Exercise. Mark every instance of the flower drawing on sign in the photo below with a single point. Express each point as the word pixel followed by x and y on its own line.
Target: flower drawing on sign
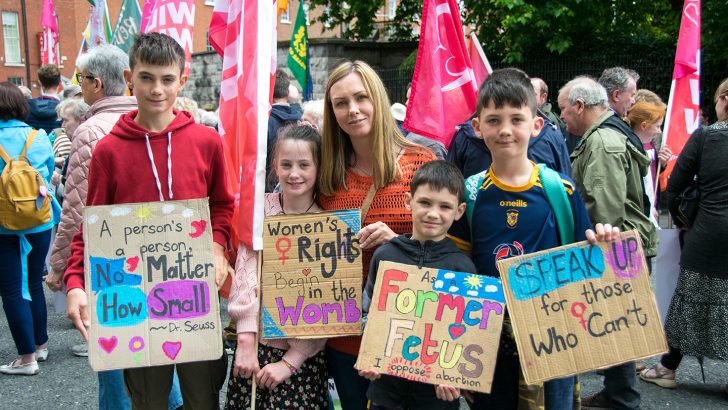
pixel 136 344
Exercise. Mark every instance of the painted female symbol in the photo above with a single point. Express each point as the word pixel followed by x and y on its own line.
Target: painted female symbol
pixel 283 251
pixel 577 314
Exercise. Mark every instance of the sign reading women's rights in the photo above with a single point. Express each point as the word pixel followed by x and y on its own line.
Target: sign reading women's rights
pixel 312 275
pixel 150 277
pixel 433 326
pixel 581 307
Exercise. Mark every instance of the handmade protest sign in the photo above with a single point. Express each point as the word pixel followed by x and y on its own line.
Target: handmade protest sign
pixel 312 275
pixel 150 280
pixel 581 307
pixel 433 326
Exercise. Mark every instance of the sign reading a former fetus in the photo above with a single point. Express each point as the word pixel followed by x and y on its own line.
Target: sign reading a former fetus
pixel 433 326
pixel 150 278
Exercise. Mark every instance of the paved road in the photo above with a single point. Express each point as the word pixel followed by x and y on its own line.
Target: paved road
pixel 67 382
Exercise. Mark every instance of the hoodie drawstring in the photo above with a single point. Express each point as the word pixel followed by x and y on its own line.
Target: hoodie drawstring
pixel 169 166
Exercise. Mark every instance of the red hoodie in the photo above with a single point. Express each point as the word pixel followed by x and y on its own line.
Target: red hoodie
pixel 121 172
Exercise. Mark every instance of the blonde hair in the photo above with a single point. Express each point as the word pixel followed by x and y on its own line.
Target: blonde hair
pixel 385 140
pixel 644 95
pixel 645 112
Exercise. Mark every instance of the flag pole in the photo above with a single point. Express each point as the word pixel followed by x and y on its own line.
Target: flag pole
pixel 258 295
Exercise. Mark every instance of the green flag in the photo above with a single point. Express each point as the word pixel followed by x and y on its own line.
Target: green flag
pixel 298 52
pixel 127 25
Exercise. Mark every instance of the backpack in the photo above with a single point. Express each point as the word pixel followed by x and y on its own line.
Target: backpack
pixel 555 194
pixel 24 199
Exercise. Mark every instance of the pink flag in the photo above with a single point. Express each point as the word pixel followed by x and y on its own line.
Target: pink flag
pixel 175 18
pixel 49 23
pixel 444 88
pixel 244 33
pixel 481 66
pixel 683 107
pixel 147 8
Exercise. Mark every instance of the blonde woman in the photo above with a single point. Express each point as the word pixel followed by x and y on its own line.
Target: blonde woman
pixel 363 150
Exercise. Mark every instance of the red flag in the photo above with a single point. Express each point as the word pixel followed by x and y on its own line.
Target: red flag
pixel 481 66
pixel 683 107
pixel 244 33
pixel 49 44
pixel 175 18
pixel 444 89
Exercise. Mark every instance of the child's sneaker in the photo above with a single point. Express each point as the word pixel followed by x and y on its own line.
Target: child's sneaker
pixel 80 350
pixel 28 369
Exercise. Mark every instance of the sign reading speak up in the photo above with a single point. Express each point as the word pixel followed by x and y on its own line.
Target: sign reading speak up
pixel 433 326
pixel 150 278
pixel 581 307
pixel 312 275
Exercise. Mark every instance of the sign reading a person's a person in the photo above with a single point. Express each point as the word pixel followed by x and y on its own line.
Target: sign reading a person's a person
pixel 581 307
pixel 433 326
pixel 312 275
pixel 150 278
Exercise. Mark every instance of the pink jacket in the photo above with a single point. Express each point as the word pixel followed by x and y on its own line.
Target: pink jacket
pixel 243 306
pixel 98 121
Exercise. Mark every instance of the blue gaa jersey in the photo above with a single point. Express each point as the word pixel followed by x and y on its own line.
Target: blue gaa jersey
pixel 514 220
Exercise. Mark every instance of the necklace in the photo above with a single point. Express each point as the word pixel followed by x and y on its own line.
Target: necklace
pixel 362 171
pixel 283 208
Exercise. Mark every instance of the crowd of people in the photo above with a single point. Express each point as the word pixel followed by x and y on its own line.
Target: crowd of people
pixel 94 144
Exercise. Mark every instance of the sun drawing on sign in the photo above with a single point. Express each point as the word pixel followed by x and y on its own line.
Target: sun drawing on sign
pixel 474 281
pixel 144 213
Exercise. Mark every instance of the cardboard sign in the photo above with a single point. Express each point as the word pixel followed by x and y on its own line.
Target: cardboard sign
pixel 581 307
pixel 312 275
pixel 433 326
pixel 150 281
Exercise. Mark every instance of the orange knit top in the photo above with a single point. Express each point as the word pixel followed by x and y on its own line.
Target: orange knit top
pixel 387 206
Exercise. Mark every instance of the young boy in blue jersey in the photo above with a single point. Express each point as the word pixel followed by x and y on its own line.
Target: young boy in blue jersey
pixel 511 216
pixel 436 199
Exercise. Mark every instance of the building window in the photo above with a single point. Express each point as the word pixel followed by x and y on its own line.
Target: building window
pixel 208 46
pixel 392 8
pixel 388 10
pixel 11 35
pixel 16 80
pixel 286 14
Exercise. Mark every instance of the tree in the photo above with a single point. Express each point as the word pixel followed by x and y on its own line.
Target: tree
pixel 513 29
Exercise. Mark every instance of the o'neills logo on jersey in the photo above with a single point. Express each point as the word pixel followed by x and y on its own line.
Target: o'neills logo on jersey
pixel 519 203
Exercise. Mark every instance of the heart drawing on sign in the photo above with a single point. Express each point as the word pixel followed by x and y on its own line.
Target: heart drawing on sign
pixel 199 227
pixel 132 262
pixel 306 271
pixel 171 349
pixel 108 345
pixel 456 331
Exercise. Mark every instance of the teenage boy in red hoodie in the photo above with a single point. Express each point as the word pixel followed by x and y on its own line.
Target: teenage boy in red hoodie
pixel 156 154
